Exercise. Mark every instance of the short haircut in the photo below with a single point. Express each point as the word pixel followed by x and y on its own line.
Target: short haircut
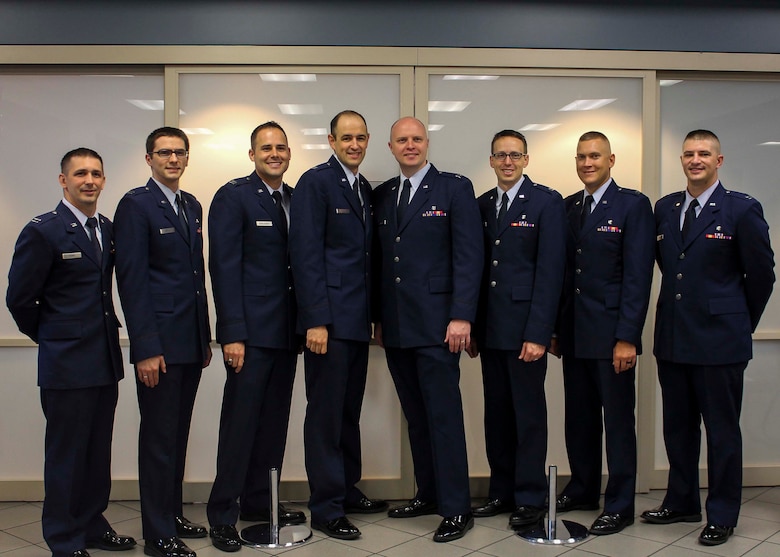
pixel 79 152
pixel 590 136
pixel 166 131
pixel 261 127
pixel 509 133
pixel 702 134
pixel 337 117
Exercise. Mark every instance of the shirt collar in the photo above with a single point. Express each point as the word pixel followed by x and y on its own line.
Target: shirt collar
pixel 511 192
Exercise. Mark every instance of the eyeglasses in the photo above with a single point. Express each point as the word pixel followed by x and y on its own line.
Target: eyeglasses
pixel 166 153
pixel 514 155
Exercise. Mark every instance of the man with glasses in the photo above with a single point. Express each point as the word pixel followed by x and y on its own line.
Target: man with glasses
pixel 330 247
pixel 255 305
pixel 59 294
pixel 160 274
pixel 524 237
pixel 712 246
pixel 609 268
pixel 429 254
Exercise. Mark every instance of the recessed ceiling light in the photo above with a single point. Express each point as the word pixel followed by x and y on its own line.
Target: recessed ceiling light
pixel 150 104
pixel 447 106
pixel 279 77
pixel 770 143
pixel 470 77
pixel 314 131
pixel 538 127
pixel 435 127
pixel 197 131
pixel 586 104
pixel 300 109
pixel 669 82
pixel 147 104
pixel 315 146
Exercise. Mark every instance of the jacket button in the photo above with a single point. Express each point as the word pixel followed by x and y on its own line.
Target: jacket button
pixel 397 239
pixel 578 271
pixel 397 280
pixel 396 259
pixel 682 256
pixel 679 276
pixel 579 251
pixel 498 242
pixel 678 296
pixel 495 263
pixel 492 284
pixel 576 290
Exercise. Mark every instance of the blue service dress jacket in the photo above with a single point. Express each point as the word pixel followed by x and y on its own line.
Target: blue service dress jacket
pixel 330 252
pixel 716 284
pixel 249 262
pixel 521 286
pixel 60 295
pixel 160 273
pixel 608 273
pixel 430 263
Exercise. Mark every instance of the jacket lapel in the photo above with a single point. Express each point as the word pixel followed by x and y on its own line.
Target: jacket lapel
pixel 77 233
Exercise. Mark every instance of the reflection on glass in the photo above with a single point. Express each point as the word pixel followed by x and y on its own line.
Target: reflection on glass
pixel 460 141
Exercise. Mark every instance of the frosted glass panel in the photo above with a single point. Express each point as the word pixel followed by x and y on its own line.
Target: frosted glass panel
pixel 219 112
pixel 44 116
pixel 746 117
pixel 462 144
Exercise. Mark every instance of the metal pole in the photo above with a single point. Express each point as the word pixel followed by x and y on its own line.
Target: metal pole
pixel 273 481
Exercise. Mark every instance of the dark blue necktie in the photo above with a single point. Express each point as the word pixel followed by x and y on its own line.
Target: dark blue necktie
pixel 403 203
pixel 92 226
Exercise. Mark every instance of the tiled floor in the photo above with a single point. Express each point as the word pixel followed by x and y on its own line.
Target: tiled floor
pixel 758 535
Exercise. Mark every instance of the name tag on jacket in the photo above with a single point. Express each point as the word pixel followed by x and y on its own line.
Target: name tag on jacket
pixel 263 223
pixel 72 255
pixel 342 211
pixel 170 230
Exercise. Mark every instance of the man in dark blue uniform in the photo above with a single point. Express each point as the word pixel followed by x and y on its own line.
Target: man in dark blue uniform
pixel 253 296
pixel 429 258
pixel 609 269
pixel 712 246
pixel 59 294
pixel 330 243
pixel 524 237
pixel 160 270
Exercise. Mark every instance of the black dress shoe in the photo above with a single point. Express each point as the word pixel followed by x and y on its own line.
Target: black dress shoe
pixel 287 517
pixel 187 529
pixel 366 506
pixel 715 535
pixel 662 515
pixel 454 527
pixel 611 523
pixel 80 553
pixel 225 538
pixel 111 541
pixel 415 507
pixel 168 547
pixel 564 503
pixel 340 528
pixel 493 507
pixel 525 516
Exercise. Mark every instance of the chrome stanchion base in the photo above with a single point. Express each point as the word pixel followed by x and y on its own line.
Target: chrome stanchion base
pixel 551 531
pixel 259 535
pixel 271 535
pixel 562 532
